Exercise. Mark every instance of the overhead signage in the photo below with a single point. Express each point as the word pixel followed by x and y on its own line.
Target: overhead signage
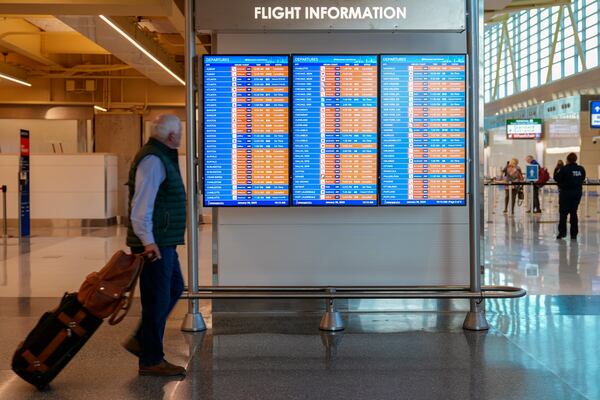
pixel 524 129
pixel 595 114
pixel 298 15
pixel 331 13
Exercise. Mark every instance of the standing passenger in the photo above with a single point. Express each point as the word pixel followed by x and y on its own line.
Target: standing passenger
pixel 513 174
pixel 559 165
pixel 570 180
pixel 157 204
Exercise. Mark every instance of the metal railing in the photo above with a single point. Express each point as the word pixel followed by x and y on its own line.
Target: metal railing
pixel 331 320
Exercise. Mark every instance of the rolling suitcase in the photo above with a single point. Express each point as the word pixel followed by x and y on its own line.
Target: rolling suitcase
pixel 61 333
pixel 54 341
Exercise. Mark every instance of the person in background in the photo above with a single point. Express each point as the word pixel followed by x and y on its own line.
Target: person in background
pixel 513 174
pixel 157 204
pixel 570 180
pixel 536 188
pixel 559 165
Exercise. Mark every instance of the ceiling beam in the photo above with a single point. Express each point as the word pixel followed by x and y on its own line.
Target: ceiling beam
pixel 21 37
pixel 87 7
pixel 109 38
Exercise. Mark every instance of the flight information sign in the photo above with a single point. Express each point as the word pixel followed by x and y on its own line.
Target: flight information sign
pixel 423 130
pixel 246 131
pixel 334 130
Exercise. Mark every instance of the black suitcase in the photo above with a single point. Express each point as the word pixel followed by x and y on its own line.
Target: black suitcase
pixel 56 339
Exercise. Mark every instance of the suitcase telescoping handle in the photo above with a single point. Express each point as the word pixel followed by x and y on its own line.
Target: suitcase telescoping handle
pixel 126 299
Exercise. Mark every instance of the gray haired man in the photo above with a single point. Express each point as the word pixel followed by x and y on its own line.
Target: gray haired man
pixel 157 216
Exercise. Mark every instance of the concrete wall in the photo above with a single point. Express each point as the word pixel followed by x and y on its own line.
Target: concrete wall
pixel 121 135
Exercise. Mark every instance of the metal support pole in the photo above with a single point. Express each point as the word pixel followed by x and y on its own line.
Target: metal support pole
pixel 532 199
pixel 332 319
pixel 193 321
pixel 510 199
pixel 4 216
pixel 475 319
pixel 587 200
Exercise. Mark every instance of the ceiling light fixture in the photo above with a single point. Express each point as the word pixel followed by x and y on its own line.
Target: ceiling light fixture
pixel 13 79
pixel 140 48
pixel 100 108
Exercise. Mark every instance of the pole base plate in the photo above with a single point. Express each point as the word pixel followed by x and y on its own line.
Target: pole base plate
pixel 476 321
pixel 193 323
pixel 332 322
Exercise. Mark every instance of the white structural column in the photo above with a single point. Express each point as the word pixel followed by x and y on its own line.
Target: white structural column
pixel 193 321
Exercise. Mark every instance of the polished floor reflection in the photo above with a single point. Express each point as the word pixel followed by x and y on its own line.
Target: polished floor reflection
pixel 531 352
pixel 522 249
pixel 543 346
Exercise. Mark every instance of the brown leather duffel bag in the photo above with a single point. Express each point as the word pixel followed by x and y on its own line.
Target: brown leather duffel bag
pixel 108 292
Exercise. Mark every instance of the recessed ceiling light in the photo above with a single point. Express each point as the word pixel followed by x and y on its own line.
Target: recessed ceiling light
pixel 142 49
pixel 13 79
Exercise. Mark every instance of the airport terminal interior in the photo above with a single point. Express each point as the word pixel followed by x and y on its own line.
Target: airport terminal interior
pixel 373 191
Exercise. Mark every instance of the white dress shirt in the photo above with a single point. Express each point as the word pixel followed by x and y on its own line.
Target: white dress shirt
pixel 149 175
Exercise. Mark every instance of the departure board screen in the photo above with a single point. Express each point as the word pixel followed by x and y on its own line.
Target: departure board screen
pixel 423 130
pixel 246 131
pixel 334 130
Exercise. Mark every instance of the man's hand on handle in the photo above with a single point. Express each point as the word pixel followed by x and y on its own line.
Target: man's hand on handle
pixel 152 252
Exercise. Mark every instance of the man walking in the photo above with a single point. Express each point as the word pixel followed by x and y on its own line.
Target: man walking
pixel 570 180
pixel 157 210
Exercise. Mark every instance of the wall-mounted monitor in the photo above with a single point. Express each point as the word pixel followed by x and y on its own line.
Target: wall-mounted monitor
pixel 527 129
pixel 423 130
pixel 335 135
pixel 595 114
pixel 246 130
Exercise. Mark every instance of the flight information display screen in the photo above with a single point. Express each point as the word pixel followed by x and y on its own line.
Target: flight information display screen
pixel 246 131
pixel 423 130
pixel 334 130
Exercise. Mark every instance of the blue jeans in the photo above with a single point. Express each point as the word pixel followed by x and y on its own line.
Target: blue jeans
pixel 161 285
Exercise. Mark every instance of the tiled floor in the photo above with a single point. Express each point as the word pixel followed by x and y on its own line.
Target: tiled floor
pixel 543 346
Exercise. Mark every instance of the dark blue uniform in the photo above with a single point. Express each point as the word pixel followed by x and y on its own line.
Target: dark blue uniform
pixel 570 187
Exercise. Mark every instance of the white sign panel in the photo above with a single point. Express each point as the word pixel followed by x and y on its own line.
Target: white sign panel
pixel 297 15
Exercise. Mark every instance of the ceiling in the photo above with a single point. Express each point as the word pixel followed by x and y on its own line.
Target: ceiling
pixel 51 38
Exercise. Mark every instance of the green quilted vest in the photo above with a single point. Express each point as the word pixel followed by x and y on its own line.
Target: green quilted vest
pixel 169 215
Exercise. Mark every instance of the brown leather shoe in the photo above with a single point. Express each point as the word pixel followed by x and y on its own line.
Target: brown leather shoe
pixel 164 368
pixel 133 346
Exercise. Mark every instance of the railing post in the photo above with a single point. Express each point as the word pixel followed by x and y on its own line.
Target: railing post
pixel 475 319
pixel 332 319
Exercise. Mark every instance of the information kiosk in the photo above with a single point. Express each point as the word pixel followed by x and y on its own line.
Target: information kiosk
pixel 383 102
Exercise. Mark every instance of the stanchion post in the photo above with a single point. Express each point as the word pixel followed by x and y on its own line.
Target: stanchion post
pixel 587 200
pixel 193 321
pixel 490 201
pixel 511 199
pixel 332 319
pixel 4 216
pixel 532 202
pixel 475 319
